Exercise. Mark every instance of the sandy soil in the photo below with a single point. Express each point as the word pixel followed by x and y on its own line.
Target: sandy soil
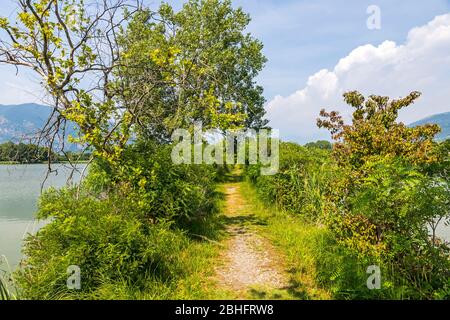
pixel 249 260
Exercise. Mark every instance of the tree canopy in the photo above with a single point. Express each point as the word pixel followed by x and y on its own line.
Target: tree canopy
pixel 118 69
pixel 374 131
pixel 197 64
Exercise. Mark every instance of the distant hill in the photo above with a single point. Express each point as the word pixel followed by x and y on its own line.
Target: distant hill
pixel 442 119
pixel 19 122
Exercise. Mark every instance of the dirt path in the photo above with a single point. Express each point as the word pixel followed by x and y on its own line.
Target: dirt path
pixel 250 262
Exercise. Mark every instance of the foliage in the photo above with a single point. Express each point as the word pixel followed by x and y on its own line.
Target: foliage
pixel 396 187
pixel 321 144
pixel 386 189
pixel 147 177
pixel 385 196
pixel 125 229
pixel 440 168
pixel 375 132
pixel 5 291
pixel 397 203
pixel 302 181
pixel 60 41
pixel 121 69
pixel 197 64
pixel 127 77
pixel 108 240
pixel 24 153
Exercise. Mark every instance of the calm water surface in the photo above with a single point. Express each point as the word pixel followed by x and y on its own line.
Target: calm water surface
pixel 20 187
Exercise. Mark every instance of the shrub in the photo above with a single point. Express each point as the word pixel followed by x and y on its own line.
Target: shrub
pixel 377 216
pixel 125 227
pixel 397 202
pixel 159 189
pixel 302 182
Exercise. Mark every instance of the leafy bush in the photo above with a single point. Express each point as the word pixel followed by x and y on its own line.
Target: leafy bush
pixel 125 228
pixel 388 186
pixel 321 144
pixel 302 181
pixel 158 189
pixel 381 220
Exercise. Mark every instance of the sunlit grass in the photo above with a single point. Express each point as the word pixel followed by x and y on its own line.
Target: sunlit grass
pixel 7 290
pixel 318 266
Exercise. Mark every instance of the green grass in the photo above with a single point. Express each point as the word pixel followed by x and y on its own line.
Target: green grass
pixel 192 273
pixel 198 261
pixel 6 292
pixel 190 278
pixel 319 267
pixel 193 284
pixel 7 288
pixel 296 240
pixel 188 268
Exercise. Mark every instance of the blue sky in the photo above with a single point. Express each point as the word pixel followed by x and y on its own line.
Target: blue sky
pixel 302 37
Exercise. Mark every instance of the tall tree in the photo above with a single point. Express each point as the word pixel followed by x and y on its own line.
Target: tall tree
pixel 113 66
pixel 203 62
pixel 72 46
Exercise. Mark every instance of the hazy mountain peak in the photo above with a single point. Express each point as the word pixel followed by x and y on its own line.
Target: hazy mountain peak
pixel 441 119
pixel 18 122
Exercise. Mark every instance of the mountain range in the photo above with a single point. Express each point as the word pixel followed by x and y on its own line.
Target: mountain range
pixel 18 122
pixel 442 119
pixel 22 123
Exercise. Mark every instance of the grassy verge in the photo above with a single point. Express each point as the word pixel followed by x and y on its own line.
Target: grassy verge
pixel 198 261
pixel 192 284
pixel 319 268
pixel 192 274
pixel 184 264
pixel 6 292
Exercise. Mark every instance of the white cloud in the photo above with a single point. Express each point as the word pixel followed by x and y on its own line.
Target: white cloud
pixel 422 63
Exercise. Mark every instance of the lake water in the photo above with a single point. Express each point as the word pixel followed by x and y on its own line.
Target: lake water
pixel 20 187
